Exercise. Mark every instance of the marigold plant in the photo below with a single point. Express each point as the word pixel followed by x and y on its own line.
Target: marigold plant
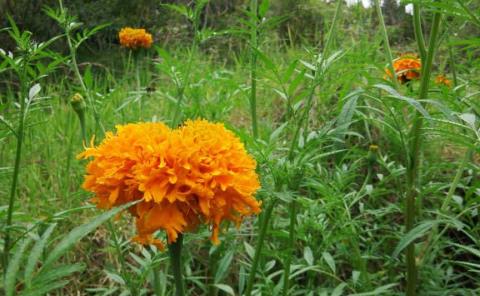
pixel 443 80
pixel 407 67
pixel 198 173
pixel 135 38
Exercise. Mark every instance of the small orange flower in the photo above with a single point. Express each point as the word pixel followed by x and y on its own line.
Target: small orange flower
pixel 135 38
pixel 407 67
pixel 443 80
pixel 198 173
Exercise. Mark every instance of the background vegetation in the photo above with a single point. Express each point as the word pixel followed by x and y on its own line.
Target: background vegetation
pixel 332 146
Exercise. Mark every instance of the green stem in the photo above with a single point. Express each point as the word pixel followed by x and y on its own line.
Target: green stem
pixel 16 169
pixel 175 251
pixel 76 70
pixel 417 25
pixel 414 157
pixel 258 250
pixel 291 247
pixel 157 287
pixel 386 43
pixel 253 66
pixel 137 78
pixel 451 61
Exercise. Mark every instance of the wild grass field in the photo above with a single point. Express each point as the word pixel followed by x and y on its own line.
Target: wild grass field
pixel 263 154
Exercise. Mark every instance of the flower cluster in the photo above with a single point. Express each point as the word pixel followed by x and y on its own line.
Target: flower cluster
pixel 443 80
pixel 407 67
pixel 197 173
pixel 135 38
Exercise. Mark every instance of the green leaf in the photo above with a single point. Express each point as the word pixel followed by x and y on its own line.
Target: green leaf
pixel 394 94
pixel 53 275
pixel 377 291
pixel 414 234
pixel 249 249
pixel 36 252
pixel 262 10
pixel 223 266
pixel 225 288
pixel 330 261
pixel 79 232
pixel 14 267
pixel 308 255
pixel 338 291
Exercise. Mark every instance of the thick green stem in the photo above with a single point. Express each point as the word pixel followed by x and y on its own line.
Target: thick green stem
pixel 157 287
pixel 175 251
pixel 417 25
pixel 291 247
pixel 386 43
pixel 16 169
pixel 258 250
pixel 414 157
pixel 253 66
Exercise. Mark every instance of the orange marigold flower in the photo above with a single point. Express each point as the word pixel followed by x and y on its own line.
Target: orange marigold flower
pixel 443 80
pixel 407 67
pixel 198 173
pixel 135 38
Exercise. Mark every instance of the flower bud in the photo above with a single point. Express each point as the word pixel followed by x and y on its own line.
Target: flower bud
pixel 78 103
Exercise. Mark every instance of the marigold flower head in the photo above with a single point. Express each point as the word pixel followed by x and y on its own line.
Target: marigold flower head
pixel 407 67
pixel 135 38
pixel 443 80
pixel 198 173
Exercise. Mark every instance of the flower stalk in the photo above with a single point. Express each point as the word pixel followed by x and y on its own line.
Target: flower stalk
pixel 291 246
pixel 79 106
pixel 264 223
pixel 414 157
pixel 175 252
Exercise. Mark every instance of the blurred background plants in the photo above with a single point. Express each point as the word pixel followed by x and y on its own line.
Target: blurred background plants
pixel 332 140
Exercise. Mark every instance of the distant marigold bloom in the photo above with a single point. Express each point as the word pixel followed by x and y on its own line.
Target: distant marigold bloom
pixel 198 173
pixel 407 67
pixel 135 38
pixel 443 80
